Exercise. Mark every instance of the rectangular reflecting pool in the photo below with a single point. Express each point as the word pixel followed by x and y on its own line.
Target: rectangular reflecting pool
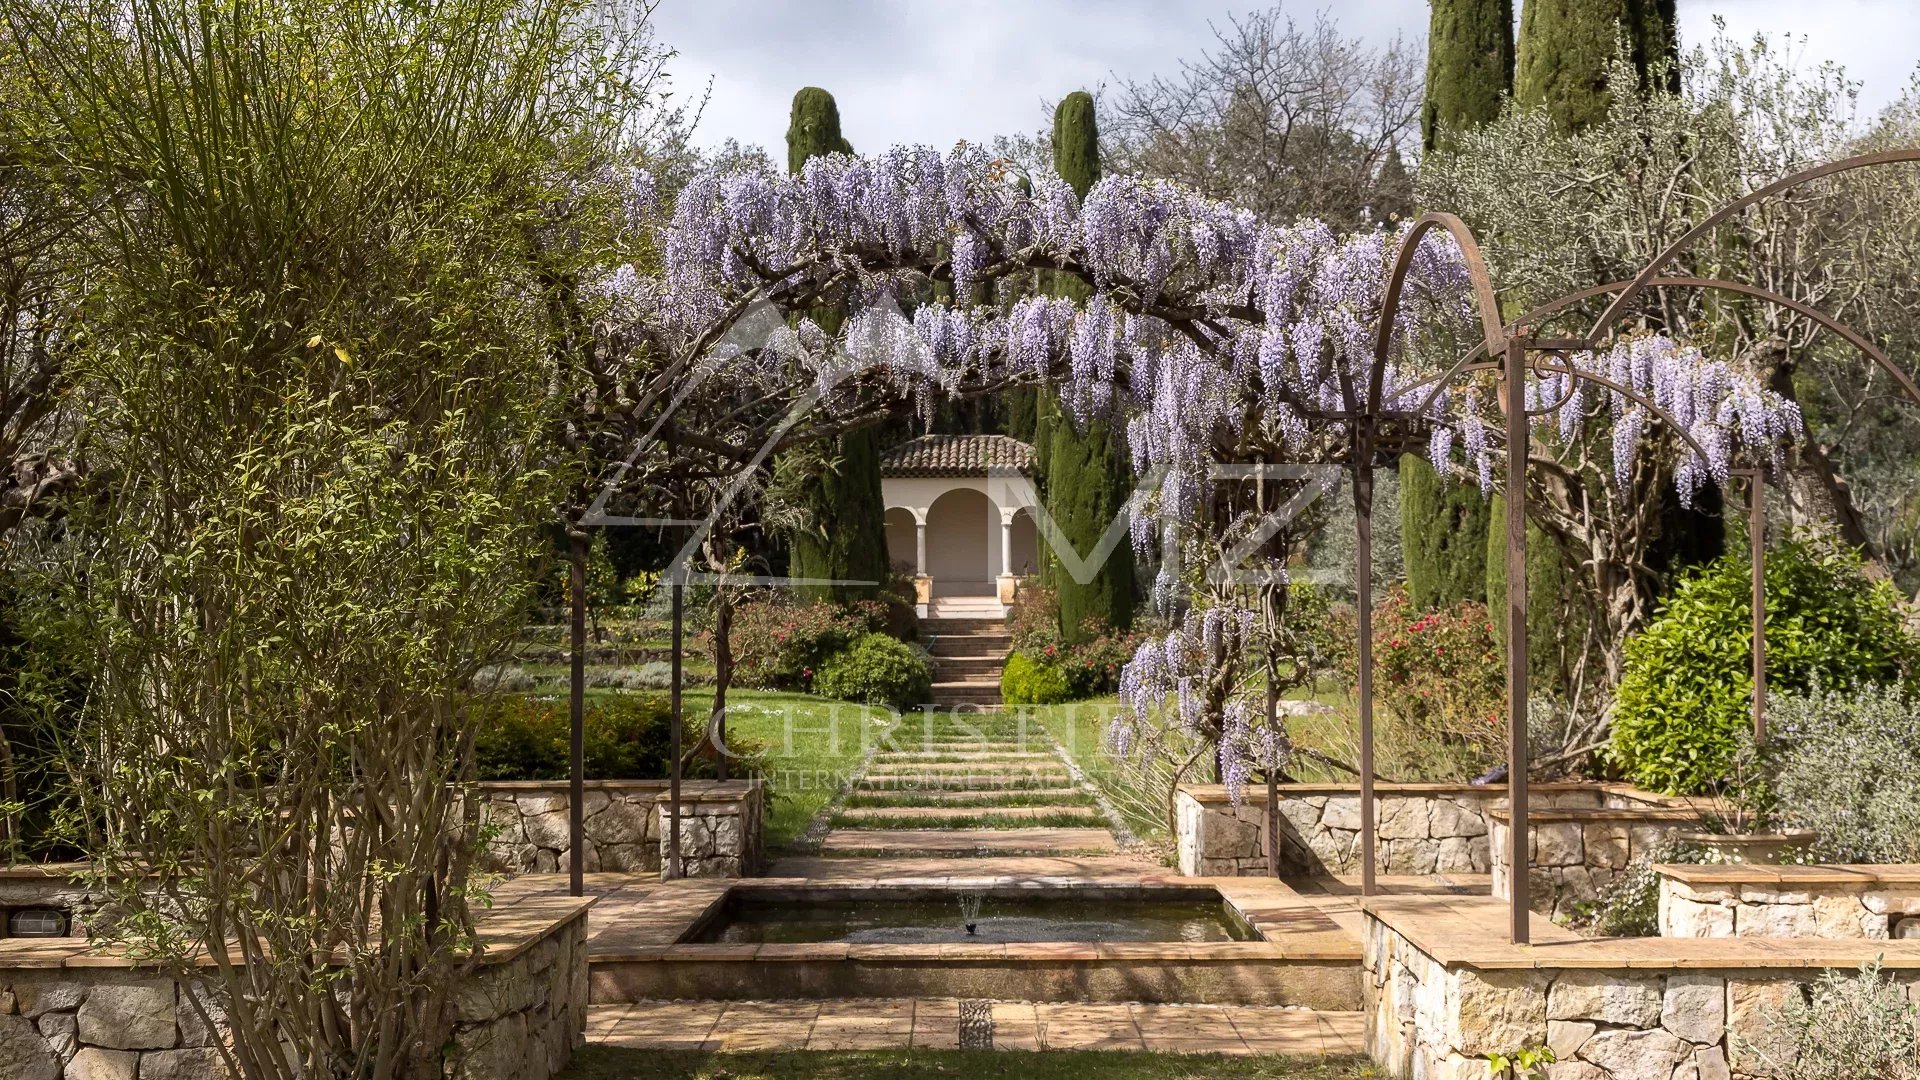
pixel 930 916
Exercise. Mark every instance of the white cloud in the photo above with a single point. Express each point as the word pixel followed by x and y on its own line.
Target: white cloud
pixel 912 72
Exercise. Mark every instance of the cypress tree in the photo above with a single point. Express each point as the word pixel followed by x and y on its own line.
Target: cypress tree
pixel 1443 524
pixel 1469 66
pixel 1085 476
pixel 1443 537
pixel 1566 45
pixel 846 533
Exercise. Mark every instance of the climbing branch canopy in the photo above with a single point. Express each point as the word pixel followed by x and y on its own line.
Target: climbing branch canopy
pixel 1212 336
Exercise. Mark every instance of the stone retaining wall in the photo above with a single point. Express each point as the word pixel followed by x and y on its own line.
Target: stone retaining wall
pixel 66 1012
pixel 1421 828
pixel 721 826
pixel 1854 901
pixel 1653 1020
pixel 1575 853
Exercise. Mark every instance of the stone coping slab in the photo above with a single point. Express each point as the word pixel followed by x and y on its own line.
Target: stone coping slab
pixel 1472 933
pixel 503 932
pixel 42 871
pixel 1865 875
pixel 1684 815
pixel 1257 794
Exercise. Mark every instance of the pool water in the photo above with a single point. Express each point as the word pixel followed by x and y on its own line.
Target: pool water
pixel 920 920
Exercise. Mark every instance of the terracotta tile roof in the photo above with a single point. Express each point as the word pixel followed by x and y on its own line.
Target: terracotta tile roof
pixel 956 455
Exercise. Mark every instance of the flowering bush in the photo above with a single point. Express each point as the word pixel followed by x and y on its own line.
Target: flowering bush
pixel 1440 672
pixel 782 644
pixel 1087 669
pixel 878 670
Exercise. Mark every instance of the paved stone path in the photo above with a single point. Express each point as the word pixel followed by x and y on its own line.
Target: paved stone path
pixel 887 1023
pixel 968 793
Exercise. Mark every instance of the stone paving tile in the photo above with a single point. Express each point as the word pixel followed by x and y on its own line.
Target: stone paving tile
pixel 1014 867
pixel 869 1024
pixel 957 841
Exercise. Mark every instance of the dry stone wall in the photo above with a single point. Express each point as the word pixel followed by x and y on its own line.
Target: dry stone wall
pixel 1574 854
pixel 721 826
pixel 1833 902
pixel 1421 828
pixel 75 1016
pixel 1433 1021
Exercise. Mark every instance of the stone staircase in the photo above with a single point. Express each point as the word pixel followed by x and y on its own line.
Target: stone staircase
pixel 969 647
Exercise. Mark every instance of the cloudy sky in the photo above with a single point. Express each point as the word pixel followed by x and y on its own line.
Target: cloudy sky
pixel 914 71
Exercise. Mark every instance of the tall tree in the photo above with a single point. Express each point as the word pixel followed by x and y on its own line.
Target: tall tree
pixel 1469 66
pixel 1469 74
pixel 1085 474
pixel 1566 47
pixel 843 536
pixel 1284 119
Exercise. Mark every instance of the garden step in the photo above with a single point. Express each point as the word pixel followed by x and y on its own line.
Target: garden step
pixel 895 817
pixel 942 795
pixel 966 841
pixel 958 755
pixel 1046 764
pixel 972 783
pixel 954 667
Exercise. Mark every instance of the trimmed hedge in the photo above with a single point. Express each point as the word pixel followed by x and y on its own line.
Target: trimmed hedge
pixel 628 737
pixel 1026 681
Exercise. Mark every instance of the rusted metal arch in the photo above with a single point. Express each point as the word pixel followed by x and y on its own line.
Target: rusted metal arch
pixel 1485 300
pixel 1640 282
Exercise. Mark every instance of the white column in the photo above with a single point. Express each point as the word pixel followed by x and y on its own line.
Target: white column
pixel 920 543
pixel 1006 544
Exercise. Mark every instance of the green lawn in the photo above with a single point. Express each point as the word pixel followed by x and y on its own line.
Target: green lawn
pixel 618 1063
pixel 806 747
pixel 1081 727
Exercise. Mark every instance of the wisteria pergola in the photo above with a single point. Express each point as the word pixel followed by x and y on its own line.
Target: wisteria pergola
pixel 1213 335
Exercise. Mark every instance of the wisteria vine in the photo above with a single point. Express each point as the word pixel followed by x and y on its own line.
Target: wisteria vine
pixel 1212 335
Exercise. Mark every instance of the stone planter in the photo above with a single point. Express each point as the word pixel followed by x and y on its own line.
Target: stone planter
pixel 1759 849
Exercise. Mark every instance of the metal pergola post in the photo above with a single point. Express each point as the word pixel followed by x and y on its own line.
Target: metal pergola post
pixel 673 867
pixel 1757 552
pixel 577 710
pixel 1519 868
pixel 1363 602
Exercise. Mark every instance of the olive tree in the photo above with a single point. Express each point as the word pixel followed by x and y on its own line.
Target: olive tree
pixel 317 356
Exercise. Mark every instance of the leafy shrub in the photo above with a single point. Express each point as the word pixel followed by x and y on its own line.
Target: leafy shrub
pixel 1857 1025
pixel 1687 690
pixel 878 670
pixel 1847 765
pixel 1029 681
pixel 528 738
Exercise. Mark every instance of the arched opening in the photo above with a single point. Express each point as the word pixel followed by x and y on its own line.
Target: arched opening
pixel 902 540
pixel 1026 544
pixel 960 525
